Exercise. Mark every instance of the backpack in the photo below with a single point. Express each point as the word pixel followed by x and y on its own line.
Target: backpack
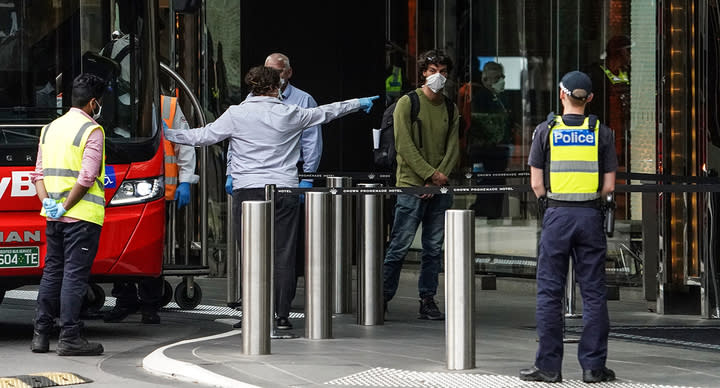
pixel 385 155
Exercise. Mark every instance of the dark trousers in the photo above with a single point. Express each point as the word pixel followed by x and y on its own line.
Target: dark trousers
pixel 578 230
pixel 71 249
pixel 147 294
pixel 286 230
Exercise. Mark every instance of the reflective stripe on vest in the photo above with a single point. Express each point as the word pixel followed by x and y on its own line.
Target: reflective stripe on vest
pixel 574 168
pixel 63 143
pixel 168 106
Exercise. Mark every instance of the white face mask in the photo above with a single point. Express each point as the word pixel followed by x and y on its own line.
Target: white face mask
pixel 499 86
pixel 435 82
pixel 97 115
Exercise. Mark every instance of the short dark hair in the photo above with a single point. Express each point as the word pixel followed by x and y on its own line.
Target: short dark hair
pixel 86 86
pixel 433 57
pixel 262 80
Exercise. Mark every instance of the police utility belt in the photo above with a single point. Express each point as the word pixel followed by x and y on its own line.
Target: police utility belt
pixel 594 203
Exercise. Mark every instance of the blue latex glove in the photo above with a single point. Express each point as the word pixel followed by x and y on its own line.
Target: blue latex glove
pixel 50 205
pixel 59 211
pixel 164 126
pixel 367 103
pixel 304 185
pixel 228 185
pixel 182 194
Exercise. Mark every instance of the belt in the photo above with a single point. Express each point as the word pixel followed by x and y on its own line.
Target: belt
pixel 594 203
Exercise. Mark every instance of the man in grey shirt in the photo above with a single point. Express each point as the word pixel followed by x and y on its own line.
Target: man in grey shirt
pixel 264 134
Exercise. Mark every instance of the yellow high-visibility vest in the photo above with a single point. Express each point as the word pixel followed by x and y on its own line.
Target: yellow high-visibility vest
pixel 62 143
pixel 574 167
pixel 621 78
pixel 393 83
pixel 168 105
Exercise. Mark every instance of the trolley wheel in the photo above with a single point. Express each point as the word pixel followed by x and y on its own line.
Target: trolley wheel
pixel 167 294
pixel 184 300
pixel 94 298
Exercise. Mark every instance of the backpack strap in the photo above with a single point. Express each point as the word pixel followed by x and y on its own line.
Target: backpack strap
pixel 414 105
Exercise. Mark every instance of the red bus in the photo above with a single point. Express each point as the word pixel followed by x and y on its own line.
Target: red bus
pixel 48 45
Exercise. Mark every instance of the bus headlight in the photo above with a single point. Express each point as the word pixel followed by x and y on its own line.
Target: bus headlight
pixel 134 191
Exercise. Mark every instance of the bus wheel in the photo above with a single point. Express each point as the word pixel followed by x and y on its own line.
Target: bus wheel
pixel 94 299
pixel 2 295
pixel 185 301
pixel 167 293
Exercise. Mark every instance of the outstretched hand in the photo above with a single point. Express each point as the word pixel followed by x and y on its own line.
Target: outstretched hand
pixel 366 103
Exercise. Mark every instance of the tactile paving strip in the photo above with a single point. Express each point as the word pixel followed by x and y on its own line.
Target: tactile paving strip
pixel 40 380
pixel 385 377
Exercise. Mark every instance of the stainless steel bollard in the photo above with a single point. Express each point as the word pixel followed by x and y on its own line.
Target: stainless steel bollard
pixel 341 239
pixel 370 259
pixel 270 196
pixel 256 276
pixel 459 289
pixel 318 266
pixel 233 268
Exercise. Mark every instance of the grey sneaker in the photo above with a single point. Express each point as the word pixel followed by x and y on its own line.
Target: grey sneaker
pixel 429 310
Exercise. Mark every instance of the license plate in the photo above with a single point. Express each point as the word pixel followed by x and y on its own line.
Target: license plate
pixel 19 257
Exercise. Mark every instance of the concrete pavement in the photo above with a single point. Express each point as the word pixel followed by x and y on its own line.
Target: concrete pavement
pixel 407 352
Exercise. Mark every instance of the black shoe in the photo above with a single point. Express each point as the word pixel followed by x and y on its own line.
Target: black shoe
pixel 429 310
pixel 117 314
pixel 40 342
pixel 78 346
pixel 150 317
pixel 238 325
pixel 283 324
pixel 598 375
pixel 535 374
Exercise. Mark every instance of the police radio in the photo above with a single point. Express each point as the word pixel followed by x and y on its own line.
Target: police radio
pixel 609 207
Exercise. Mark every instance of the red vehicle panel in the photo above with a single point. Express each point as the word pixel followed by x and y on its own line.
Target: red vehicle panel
pixel 131 242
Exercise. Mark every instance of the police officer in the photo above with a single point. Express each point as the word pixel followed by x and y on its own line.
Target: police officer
pixel 69 177
pixel 572 165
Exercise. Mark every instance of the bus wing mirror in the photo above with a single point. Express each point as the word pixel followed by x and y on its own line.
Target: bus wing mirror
pixel 109 70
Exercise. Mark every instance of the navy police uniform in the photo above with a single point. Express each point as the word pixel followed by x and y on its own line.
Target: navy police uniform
pixel 574 153
pixel 572 224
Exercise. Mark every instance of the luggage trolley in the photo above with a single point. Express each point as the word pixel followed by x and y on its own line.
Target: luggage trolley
pixel 188 293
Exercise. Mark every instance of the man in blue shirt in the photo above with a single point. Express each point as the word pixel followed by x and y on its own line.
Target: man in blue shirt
pixel 311 144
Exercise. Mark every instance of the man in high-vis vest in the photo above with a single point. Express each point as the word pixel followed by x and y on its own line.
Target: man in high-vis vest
pixel 69 177
pixel 572 166
pixel 179 174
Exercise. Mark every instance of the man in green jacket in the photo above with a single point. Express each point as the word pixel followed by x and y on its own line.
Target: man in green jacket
pixel 427 151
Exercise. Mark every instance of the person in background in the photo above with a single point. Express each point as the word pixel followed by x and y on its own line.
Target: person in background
pixel 489 137
pixel 572 168
pixel 264 134
pixel 426 154
pixel 180 164
pixel 68 177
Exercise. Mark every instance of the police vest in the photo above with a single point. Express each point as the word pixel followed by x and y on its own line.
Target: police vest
pixel 62 143
pixel 574 170
pixel 393 83
pixel 168 106
pixel 621 78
